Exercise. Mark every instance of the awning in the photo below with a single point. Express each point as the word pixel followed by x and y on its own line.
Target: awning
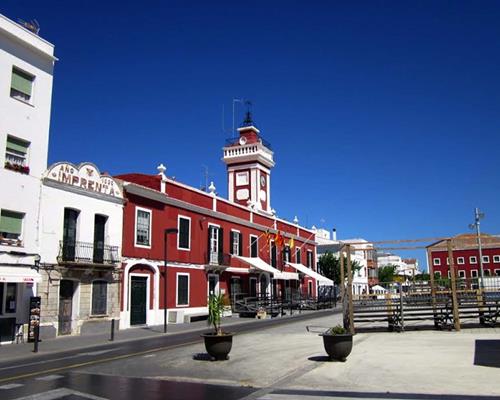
pixel 308 271
pixel 258 263
pixel 19 275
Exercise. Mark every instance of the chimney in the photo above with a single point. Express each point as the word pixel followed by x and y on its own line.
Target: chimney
pixel 334 234
pixel 161 171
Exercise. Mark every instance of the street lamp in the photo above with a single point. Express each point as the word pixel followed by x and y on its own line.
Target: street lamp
pixel 167 232
pixel 478 215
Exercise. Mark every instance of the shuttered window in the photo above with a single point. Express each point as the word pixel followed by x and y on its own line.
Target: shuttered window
pixel 235 244
pixel 182 290
pixel 184 233
pixel 11 224
pixel 21 85
pixel 253 246
pixel 99 297
pixel 309 259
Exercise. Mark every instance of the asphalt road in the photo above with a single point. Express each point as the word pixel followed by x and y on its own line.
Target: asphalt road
pixel 56 376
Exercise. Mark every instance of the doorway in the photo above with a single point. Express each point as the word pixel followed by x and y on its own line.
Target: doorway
pixel 66 293
pixel 138 300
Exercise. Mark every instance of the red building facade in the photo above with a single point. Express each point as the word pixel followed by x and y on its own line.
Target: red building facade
pixel 236 247
pixel 466 257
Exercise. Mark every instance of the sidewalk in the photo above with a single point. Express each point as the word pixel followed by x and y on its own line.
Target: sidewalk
pixel 65 343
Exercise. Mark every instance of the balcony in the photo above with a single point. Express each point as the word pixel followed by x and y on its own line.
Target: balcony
pixel 87 253
pixel 216 259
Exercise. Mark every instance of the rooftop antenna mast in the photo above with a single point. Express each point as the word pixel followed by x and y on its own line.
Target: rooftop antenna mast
pixel 205 174
pixel 235 100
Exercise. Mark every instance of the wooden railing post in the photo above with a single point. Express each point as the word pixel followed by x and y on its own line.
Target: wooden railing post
pixel 456 317
pixel 349 290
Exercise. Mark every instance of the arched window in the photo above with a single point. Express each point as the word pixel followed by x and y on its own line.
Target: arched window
pixel 99 297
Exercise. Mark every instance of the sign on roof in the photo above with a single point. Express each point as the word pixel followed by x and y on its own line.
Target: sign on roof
pixel 85 176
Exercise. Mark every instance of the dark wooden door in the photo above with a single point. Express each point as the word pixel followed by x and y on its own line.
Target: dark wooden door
pixel 99 230
pixel 138 294
pixel 69 234
pixel 66 291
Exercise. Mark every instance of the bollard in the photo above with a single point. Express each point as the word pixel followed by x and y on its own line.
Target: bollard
pixel 112 330
pixel 37 338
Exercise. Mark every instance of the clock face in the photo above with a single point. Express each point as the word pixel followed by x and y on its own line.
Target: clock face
pixel 262 181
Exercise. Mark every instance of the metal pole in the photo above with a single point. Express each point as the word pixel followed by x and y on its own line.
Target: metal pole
pixel 165 282
pixel 477 217
pixel 456 317
pixel 37 338
pixel 112 330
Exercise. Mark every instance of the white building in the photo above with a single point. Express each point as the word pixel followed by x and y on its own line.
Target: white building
pixel 407 268
pixel 81 219
pixel 361 252
pixel 26 70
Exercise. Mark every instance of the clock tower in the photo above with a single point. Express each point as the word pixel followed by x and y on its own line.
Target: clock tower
pixel 249 160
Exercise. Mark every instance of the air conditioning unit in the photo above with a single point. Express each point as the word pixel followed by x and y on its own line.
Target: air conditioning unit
pixel 176 317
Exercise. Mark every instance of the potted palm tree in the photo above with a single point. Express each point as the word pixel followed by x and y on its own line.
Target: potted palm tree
pixel 337 342
pixel 217 343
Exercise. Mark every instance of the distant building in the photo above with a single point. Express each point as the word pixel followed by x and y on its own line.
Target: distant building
pixel 362 253
pixel 466 256
pixel 407 268
pixel 26 71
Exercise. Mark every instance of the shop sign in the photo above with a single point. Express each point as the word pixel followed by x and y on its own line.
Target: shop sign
pixel 85 176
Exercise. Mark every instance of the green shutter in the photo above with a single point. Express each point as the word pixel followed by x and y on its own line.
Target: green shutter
pixel 11 222
pixel 21 82
pixel 16 145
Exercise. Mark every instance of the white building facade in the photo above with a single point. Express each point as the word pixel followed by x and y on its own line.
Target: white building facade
pixel 81 219
pixel 26 71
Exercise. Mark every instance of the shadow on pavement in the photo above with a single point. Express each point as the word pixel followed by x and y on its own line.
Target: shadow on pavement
pixel 487 353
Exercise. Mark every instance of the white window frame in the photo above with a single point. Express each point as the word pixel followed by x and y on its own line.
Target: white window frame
pixel 300 251
pixel 217 244
pixel 497 272
pixel 449 274
pixel 461 273
pixel 496 259
pixel 256 238
pixel 486 259
pixel 472 260
pixel 439 274
pixel 137 209
pixel 474 273
pixel 25 159
pixel 447 260
pixel 486 272
pixel 177 289
pixel 237 252
pixel 179 232
pixel 460 260
pixel 436 261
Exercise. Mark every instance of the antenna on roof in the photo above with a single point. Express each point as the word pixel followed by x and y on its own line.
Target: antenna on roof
pixel 32 26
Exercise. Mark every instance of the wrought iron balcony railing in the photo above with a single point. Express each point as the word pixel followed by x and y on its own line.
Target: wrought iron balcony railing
pixel 88 253
pixel 218 258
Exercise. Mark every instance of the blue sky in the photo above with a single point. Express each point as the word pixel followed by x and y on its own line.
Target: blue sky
pixel 384 116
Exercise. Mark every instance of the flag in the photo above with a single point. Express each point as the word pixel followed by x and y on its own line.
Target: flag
pixel 291 243
pixel 278 239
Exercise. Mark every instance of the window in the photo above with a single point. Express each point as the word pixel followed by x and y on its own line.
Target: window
pixel 309 288
pixel 486 259
pixel 274 261
pixel 235 244
pixel 70 224
pixel 437 275
pixel 215 245
pixel 497 272
pixel 473 259
pixel 99 297
pixel 437 261
pixel 449 275
pixel 143 228
pixel 213 284
pixel 11 225
pixel 473 273
pixel 461 273
pixel 8 305
pixel 184 237
pixel 254 250
pixel 309 259
pixel 496 259
pixel 182 289
pixel 460 260
pixel 447 261
pixel 486 272
pixel 298 256
pixel 21 85
pixel 16 155
pixel 99 238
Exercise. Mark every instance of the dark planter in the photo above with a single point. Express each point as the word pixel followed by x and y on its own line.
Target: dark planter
pixel 338 347
pixel 218 346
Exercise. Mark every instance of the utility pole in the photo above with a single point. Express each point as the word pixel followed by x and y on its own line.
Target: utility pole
pixel 478 215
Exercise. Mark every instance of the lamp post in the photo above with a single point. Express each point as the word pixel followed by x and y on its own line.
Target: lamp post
pixel 166 233
pixel 478 215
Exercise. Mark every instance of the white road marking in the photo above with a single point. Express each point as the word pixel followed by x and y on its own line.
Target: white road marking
pixel 10 386
pixel 49 378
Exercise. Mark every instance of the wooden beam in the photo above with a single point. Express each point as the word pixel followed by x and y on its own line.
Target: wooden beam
pixel 456 317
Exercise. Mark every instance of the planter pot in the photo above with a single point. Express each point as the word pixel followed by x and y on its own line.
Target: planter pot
pixel 218 346
pixel 338 347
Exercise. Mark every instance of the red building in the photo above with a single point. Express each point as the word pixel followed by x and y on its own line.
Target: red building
pixel 466 256
pixel 236 247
